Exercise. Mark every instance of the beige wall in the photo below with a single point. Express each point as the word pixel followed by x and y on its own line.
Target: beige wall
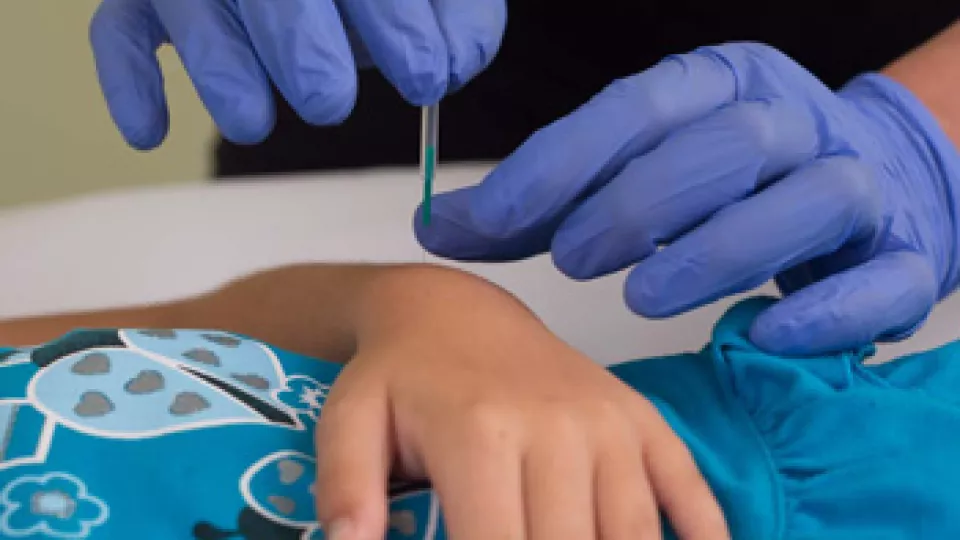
pixel 56 137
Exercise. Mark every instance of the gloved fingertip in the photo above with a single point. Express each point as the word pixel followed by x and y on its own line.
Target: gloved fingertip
pixel 473 32
pixel 422 79
pixel 146 137
pixel 652 289
pixel 774 335
pixel 567 253
pixel 882 299
pixel 248 120
pixel 904 331
pixel 645 302
pixel 143 123
pixel 452 233
pixel 797 331
pixel 424 232
pixel 123 44
pixel 580 258
pixel 469 60
pixel 591 243
pixel 440 235
pixel 423 88
pixel 572 264
pixel 332 104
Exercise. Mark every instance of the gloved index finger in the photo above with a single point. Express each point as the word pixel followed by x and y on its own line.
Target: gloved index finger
pixel 581 151
pixel 124 37
pixel 220 60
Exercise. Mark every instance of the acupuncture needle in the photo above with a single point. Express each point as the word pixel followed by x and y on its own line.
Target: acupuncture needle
pixel 429 127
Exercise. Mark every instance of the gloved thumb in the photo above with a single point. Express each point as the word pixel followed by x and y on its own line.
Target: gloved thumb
pixel 353 461
pixel 453 232
pixel 883 299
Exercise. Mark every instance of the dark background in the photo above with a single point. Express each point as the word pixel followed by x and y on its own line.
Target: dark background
pixel 558 53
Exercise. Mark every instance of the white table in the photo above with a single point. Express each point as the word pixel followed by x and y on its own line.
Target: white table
pixel 153 244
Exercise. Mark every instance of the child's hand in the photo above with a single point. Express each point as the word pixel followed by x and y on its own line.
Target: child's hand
pixel 522 437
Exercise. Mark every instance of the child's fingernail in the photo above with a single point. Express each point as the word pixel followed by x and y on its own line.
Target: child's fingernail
pixel 340 530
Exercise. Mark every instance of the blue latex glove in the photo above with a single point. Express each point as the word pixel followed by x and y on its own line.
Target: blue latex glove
pixel 713 172
pixel 309 48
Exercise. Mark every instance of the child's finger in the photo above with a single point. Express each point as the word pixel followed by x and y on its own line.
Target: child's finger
pixel 681 490
pixel 353 461
pixel 626 506
pixel 478 480
pixel 558 480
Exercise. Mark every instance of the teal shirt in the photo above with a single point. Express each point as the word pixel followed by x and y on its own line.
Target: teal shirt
pixel 163 434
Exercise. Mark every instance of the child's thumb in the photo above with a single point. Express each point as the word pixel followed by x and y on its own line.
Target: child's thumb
pixel 354 452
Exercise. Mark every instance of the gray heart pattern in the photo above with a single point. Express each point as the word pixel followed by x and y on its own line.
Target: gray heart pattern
pixel 252 380
pixel 159 334
pixel 290 471
pixel 93 405
pixel 222 340
pixel 203 356
pixel 187 403
pixel 284 505
pixel 147 381
pixel 92 364
pixel 404 521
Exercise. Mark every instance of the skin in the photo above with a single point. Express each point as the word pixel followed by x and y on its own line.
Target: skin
pixel 452 379
pixel 932 73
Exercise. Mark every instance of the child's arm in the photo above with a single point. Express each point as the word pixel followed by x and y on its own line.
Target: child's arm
pixel 452 380
pixel 313 309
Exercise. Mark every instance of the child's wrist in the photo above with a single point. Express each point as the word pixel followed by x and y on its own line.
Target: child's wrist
pixel 429 298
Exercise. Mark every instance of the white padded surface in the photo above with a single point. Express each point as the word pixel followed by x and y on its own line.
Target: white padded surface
pixel 146 245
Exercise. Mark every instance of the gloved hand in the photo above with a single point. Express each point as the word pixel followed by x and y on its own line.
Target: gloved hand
pixel 309 48
pixel 716 170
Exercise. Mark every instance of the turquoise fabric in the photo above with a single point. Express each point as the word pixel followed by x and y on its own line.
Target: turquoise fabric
pixel 162 435
pixel 823 448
